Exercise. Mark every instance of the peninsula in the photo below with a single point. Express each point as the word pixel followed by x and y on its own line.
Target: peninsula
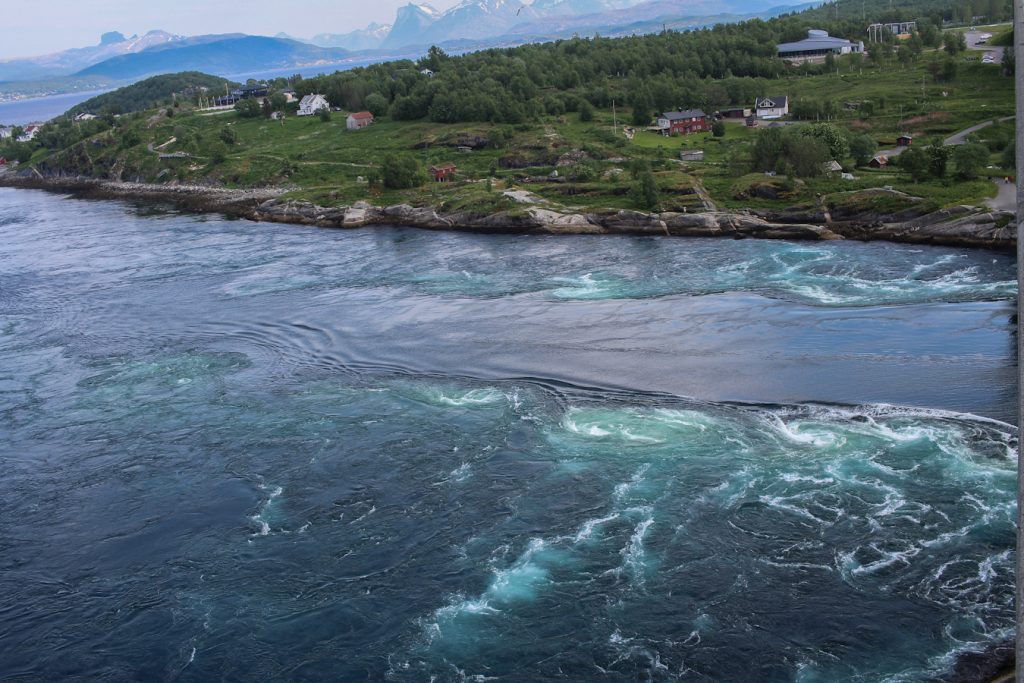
pixel 740 130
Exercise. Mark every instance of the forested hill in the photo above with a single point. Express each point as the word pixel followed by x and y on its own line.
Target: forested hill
pixel 727 64
pixel 901 10
pixel 149 93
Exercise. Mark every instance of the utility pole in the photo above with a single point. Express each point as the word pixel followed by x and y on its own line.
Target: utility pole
pixel 1018 50
pixel 615 120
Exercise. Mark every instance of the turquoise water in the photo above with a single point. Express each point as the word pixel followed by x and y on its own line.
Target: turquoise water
pixel 246 451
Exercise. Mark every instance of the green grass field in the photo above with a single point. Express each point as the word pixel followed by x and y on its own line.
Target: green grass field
pixel 323 162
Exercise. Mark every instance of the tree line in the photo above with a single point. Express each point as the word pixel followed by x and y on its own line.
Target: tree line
pixel 729 64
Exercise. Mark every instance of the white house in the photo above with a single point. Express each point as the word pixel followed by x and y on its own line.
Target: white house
pixel 85 117
pixel 29 133
pixel 6 132
pixel 427 72
pixel 771 107
pixel 311 104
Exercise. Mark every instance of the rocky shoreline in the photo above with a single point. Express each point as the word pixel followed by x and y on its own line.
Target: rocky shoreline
pixel 960 226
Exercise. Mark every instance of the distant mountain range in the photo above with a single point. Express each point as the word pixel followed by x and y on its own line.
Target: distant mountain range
pixel 215 54
pixel 112 44
pixel 369 38
pixel 420 25
pixel 472 24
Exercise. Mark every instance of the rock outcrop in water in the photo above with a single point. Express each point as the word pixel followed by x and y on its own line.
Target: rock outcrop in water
pixel 958 226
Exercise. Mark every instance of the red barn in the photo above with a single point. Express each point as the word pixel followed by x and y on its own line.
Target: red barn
pixel 905 140
pixel 684 122
pixel 360 119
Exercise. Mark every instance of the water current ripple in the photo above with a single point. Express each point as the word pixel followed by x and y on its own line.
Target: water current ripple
pixel 262 452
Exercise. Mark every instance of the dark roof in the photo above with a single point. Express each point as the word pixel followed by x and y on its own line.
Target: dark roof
pixel 775 102
pixel 816 40
pixel 680 115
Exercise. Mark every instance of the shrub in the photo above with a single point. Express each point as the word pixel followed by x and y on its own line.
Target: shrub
pixel 969 159
pixel 401 171
pixel 586 111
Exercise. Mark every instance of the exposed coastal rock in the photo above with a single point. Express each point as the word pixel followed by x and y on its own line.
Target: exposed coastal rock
pixel 958 226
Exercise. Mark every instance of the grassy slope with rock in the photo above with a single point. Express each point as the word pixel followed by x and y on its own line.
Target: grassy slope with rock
pixel 320 161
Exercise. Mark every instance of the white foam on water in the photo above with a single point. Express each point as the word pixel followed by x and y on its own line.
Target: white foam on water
pixel 791 477
pixel 800 433
pixel 461 473
pixel 587 528
pixel 848 563
pixel 469 398
pixel 622 490
pixel 260 517
pixel 634 554
pixel 583 287
pixel 786 503
pixel 519 581
pixel 986 569
pixel 735 489
pixel 796 565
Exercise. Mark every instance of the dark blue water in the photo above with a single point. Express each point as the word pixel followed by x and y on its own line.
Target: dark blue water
pixel 254 451
pixel 39 109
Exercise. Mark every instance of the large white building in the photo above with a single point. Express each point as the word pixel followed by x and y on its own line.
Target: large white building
pixel 816 46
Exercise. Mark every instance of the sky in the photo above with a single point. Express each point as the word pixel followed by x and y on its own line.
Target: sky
pixel 55 25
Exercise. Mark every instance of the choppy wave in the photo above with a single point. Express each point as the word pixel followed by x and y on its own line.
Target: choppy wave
pixel 831 275
pixel 807 511
pixel 255 454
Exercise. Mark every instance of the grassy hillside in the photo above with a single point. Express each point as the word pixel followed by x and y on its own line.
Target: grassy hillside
pixel 149 93
pixel 916 88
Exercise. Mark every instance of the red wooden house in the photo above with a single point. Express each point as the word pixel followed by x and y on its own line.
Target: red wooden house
pixel 684 122
pixel 443 172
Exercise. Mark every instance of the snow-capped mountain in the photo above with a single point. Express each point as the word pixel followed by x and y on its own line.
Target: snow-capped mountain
pixel 410 23
pixel 419 25
pixel 111 44
pixel 479 19
pixel 556 8
pixel 369 38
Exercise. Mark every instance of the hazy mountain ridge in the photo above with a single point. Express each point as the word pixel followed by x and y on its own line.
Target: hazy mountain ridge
pixel 478 19
pixel 66 62
pixel 220 56
pixel 474 20
pixel 639 18
pixel 470 25
pixel 369 38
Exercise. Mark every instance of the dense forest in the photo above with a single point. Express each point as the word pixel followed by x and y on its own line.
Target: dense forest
pixel 727 64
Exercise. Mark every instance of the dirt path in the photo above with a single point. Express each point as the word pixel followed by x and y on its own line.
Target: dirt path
pixel 1006 200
